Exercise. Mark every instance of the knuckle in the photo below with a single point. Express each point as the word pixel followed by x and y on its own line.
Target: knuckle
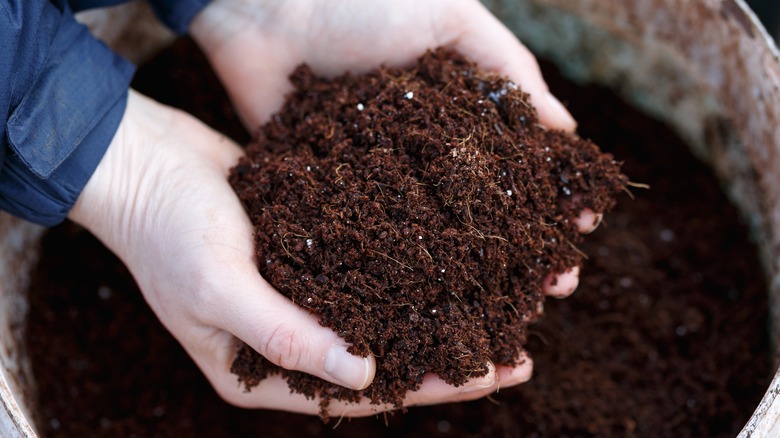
pixel 285 347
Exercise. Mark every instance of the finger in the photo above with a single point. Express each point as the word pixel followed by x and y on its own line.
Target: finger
pixel 288 335
pixel 484 39
pixel 176 128
pixel 256 107
pixel 269 79
pixel 564 284
pixel 588 221
pixel 509 376
pixel 434 390
pixel 222 151
pixel 274 393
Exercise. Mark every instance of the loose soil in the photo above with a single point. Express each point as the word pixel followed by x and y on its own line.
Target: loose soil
pixel 666 335
pixel 417 212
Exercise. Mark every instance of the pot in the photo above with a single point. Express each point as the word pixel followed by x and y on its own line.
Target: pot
pixel 705 67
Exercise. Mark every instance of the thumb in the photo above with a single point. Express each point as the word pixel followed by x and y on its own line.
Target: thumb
pixel 290 336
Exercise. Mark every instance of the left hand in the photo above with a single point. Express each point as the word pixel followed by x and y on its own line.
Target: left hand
pixel 254 45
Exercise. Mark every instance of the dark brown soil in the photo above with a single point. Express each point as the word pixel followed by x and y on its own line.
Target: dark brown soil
pixel 417 212
pixel 666 336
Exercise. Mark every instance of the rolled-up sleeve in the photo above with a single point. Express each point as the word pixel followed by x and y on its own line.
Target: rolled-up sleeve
pixel 62 96
pixel 60 106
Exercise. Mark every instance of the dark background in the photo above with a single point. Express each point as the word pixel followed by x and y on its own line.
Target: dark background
pixel 769 13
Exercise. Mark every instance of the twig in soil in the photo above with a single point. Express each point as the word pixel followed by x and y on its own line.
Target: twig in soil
pixel 287 251
pixel 508 301
pixel 461 110
pixel 387 256
pixel 539 335
pixel 492 400
pixel 577 250
pixel 634 184
pixel 340 178
pixel 425 250
pixel 332 130
pixel 341 417
pixel 638 185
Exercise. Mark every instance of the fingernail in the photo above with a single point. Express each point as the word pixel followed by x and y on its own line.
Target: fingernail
pixel 561 113
pixel 346 369
pixel 479 387
pixel 516 376
pixel 484 382
pixel 588 221
pixel 523 371
pixel 565 283
pixel 597 221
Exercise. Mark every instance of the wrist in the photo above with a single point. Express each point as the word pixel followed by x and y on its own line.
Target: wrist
pixel 106 204
pixel 157 157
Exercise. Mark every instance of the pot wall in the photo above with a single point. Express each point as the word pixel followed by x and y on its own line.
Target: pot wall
pixel 18 254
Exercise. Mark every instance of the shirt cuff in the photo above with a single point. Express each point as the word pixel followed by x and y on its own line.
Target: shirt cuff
pixel 63 125
pixel 48 201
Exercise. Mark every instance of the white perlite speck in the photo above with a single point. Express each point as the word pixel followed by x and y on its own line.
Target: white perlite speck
pixel 360 107
pixel 409 95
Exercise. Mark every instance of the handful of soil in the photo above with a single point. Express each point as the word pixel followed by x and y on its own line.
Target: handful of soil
pixel 417 212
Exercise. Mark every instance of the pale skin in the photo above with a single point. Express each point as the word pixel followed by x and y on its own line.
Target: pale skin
pixel 160 199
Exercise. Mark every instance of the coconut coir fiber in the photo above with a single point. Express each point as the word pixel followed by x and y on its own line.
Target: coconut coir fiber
pixel 665 337
pixel 417 212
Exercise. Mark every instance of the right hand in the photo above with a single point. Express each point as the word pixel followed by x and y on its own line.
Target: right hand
pixel 160 200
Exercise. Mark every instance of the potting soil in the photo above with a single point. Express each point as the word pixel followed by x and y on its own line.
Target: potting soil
pixel 417 212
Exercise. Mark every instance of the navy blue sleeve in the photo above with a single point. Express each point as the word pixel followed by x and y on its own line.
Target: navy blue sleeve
pixel 176 14
pixel 62 97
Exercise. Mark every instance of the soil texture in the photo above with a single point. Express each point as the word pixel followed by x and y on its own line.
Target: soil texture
pixel 417 212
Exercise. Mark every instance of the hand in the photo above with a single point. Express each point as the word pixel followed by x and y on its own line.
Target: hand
pixel 160 200
pixel 255 44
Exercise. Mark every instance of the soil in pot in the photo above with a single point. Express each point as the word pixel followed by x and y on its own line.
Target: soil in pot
pixel 666 335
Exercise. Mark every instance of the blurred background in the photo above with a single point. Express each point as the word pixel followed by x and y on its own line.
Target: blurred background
pixel 769 13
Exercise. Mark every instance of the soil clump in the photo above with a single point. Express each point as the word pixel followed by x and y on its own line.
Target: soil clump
pixel 417 212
